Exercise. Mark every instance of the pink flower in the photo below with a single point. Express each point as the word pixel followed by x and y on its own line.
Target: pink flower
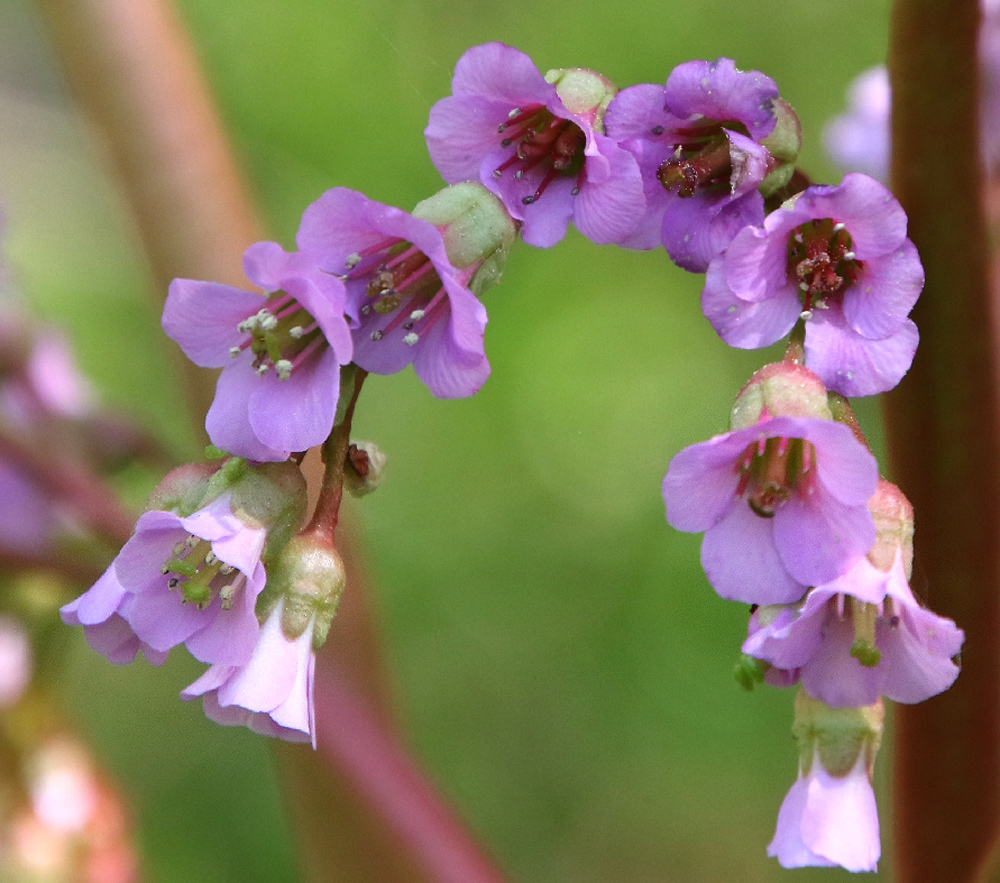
pixel 190 580
pixel 783 504
pixel 538 143
pixel 858 637
pixel 272 692
pixel 843 250
pixel 408 301
pixel 698 144
pixel 280 353
pixel 829 820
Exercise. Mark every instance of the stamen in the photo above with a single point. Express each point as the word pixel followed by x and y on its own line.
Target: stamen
pixel 411 339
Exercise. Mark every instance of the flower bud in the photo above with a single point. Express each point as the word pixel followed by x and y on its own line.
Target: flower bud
pixel 475 227
pixel 365 467
pixel 781 389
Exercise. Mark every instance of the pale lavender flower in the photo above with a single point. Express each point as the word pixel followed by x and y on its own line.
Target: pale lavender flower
pixel 538 143
pixel 858 637
pixel 828 820
pixel 107 631
pixel 408 303
pixel 16 662
pixel 280 353
pixel 272 692
pixel 698 144
pixel 783 504
pixel 190 580
pixel 839 259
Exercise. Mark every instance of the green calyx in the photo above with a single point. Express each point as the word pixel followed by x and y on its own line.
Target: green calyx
pixel 476 228
pixel 584 92
pixel 837 737
pixel 784 144
pixel 781 389
pixel 749 672
pixel 309 576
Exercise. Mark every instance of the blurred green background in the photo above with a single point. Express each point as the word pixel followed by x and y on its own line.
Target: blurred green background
pixel 560 663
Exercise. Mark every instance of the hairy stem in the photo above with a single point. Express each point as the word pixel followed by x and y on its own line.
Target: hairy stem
pixel 945 443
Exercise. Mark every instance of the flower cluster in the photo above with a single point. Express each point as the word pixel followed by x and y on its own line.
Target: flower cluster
pixel 797 522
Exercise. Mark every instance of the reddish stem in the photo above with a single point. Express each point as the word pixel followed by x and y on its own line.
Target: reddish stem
pixel 945 442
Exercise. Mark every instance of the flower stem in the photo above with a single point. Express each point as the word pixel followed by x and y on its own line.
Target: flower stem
pixel 944 441
pixel 327 511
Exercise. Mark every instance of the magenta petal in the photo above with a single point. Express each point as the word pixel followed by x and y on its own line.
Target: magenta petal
pixel 609 211
pixel 790 639
pixel 296 414
pixel 846 470
pixel 634 112
pixel 741 323
pixel 756 263
pixel 495 70
pixel 202 318
pixel 701 482
pixel 885 292
pixel 742 563
pixel 853 365
pixel 717 90
pixel 820 539
pixel 834 676
pixel 98 603
pixel 228 419
pixel 115 640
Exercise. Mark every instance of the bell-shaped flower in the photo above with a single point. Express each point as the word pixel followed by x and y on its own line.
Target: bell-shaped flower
pixel 412 279
pixel 863 634
pixel 538 142
pixel 829 816
pixel 782 499
pixel 272 693
pixel 702 148
pixel 280 352
pixel 838 259
pixel 192 571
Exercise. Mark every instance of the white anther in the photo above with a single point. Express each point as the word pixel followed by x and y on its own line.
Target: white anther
pixel 416 315
pixel 376 335
pixel 798 236
pixel 805 315
pixel 849 255
pixel 234 351
pixel 283 368
pixel 840 225
pixel 226 595
pixel 261 369
pixel 352 260
pixel 296 331
pixel 268 322
pixel 411 338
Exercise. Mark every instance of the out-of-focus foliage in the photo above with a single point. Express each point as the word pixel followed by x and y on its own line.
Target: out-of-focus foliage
pixel 561 663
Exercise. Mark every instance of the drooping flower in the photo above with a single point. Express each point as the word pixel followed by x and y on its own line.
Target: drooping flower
pixel 701 144
pixel 862 635
pixel 272 693
pixel 192 572
pixel 538 143
pixel 843 250
pixel 412 279
pixel 280 352
pixel 782 499
pixel 829 816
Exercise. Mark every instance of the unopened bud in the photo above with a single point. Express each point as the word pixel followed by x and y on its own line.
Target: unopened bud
pixel 893 516
pixel 584 92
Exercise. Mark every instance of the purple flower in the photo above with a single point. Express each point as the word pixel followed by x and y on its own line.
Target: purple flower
pixel 858 140
pixel 272 693
pixel 406 300
pixel 782 504
pixel 698 144
pixel 829 820
pixel 844 251
pixel 107 631
pixel 191 580
pixel 538 143
pixel 858 637
pixel 280 353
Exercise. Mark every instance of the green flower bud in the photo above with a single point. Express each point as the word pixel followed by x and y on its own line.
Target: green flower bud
pixel 584 92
